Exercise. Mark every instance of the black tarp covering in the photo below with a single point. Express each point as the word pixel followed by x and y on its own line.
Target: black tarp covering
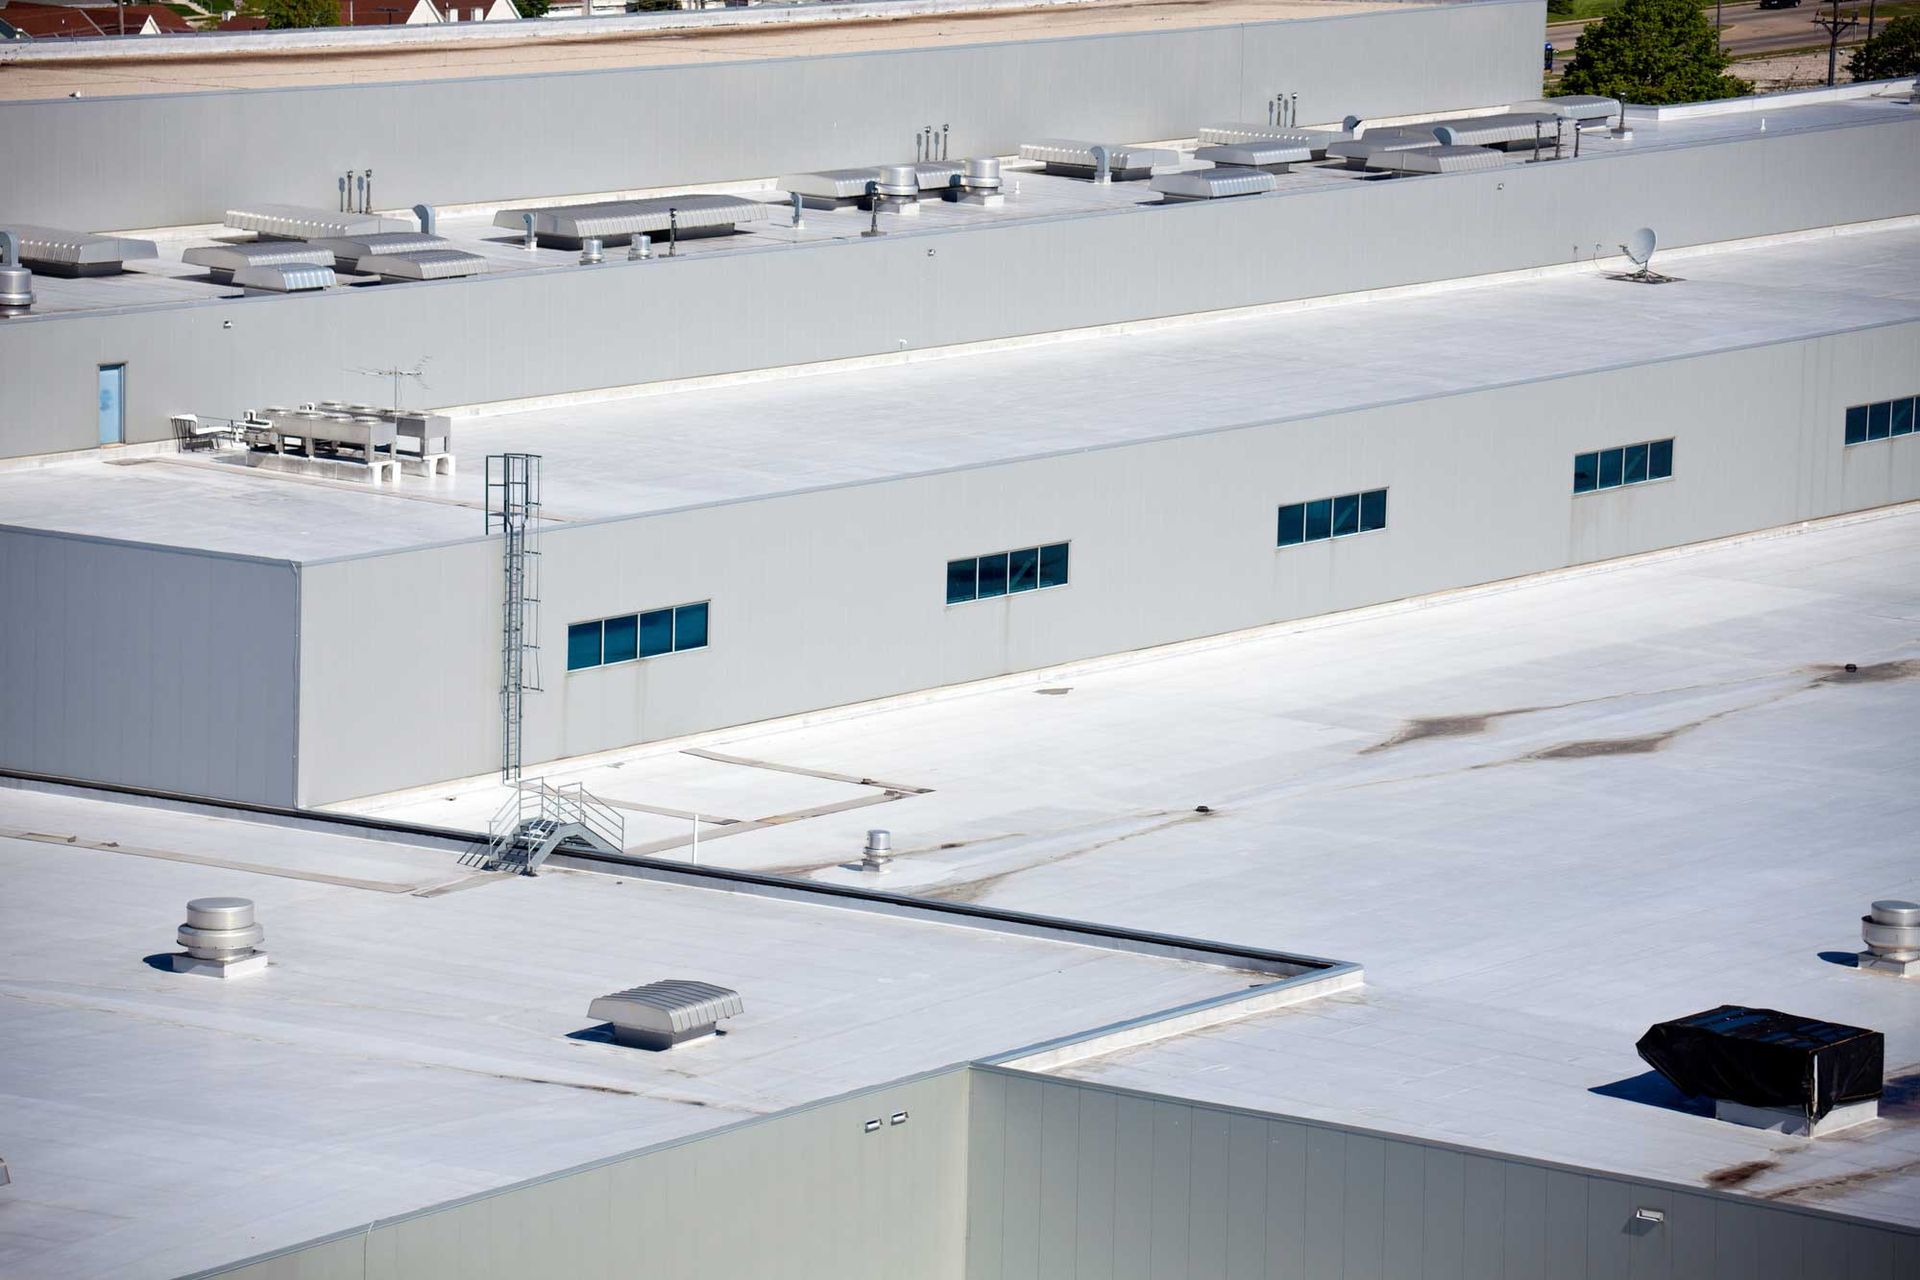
pixel 1765 1058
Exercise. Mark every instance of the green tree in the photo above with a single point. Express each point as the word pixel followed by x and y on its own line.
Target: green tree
pixel 1652 51
pixel 282 14
pixel 1893 52
pixel 531 8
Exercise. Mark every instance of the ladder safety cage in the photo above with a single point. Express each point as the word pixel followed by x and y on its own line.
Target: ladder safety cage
pixel 513 511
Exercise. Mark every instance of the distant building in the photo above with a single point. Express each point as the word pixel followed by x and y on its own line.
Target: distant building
pixel 48 21
pixel 398 13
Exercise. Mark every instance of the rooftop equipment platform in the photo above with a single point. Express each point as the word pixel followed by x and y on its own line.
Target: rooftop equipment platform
pixel 618 221
pixel 56 252
pixel 1584 109
pixel 840 188
pixel 1274 155
pixel 1073 158
pixel 1213 184
pixel 222 260
pixel 298 222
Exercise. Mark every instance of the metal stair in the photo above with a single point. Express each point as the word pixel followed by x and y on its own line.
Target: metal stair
pixel 540 819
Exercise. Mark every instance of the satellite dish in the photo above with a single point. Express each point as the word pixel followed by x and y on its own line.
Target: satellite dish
pixel 1639 247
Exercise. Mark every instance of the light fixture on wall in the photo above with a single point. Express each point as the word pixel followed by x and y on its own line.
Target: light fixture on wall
pixel 1652 1216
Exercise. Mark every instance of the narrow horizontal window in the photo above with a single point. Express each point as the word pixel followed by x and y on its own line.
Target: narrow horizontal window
pixel 1006 573
pixel 1857 424
pixel 1625 465
pixel 583 645
pixel 689 627
pixel 1610 464
pixel 1879 420
pixel 622 642
pixel 656 633
pixel 1586 472
pixel 962 580
pixel 1373 510
pixel 1338 517
pixel 1023 569
pixel 993 576
pixel 636 635
pixel 1053 565
pixel 1346 515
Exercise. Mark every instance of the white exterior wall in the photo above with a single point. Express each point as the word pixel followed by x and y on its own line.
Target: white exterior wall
pixel 171 670
pixel 837 596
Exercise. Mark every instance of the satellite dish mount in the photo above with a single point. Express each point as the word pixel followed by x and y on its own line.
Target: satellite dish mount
pixel 1639 251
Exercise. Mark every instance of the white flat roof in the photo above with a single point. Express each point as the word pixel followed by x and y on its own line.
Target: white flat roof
pixel 1543 816
pixel 416 1038
pixel 717 444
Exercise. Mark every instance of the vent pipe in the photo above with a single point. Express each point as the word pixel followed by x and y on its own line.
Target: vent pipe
pixel 943 142
pixel 1102 171
pixel 798 221
pixel 425 213
pixel 1891 931
pixel 590 251
pixel 532 241
pixel 221 939
pixel 879 850
pixel 345 183
pixel 1293 111
pixel 16 281
pixel 639 249
pixel 366 193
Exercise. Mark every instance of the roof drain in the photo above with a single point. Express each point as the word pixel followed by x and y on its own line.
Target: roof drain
pixel 16 281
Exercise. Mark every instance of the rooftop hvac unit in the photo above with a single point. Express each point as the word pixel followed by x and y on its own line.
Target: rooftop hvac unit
pixel 222 260
pixel 53 251
pixel 663 1014
pixel 1213 184
pixel 1316 141
pixel 618 221
pixel 1274 155
pixel 1073 158
pixel 297 222
pixel 1771 1070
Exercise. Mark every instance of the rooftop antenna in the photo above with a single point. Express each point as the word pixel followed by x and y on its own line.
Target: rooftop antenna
pixel 396 374
pixel 1639 251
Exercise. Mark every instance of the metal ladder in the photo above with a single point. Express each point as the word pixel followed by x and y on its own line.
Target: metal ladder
pixel 513 509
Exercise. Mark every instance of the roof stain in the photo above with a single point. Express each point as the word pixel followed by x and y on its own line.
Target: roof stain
pixel 1589 748
pixel 1872 673
pixel 1736 1175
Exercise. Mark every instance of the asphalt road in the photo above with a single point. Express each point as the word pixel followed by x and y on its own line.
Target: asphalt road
pixel 1747 30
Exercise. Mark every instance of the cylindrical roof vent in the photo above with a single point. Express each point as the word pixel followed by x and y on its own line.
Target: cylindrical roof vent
pixel 982 174
pixel 221 938
pixel 590 251
pixel 16 281
pixel 898 182
pixel 1891 931
pixel 879 850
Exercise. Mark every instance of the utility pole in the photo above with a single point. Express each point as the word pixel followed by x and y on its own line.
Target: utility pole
pixel 1871 6
pixel 1835 26
pixel 1719 40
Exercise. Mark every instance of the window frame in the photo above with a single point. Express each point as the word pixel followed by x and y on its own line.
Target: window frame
pixel 1039 551
pixel 638 618
pixel 1875 421
pixel 1334 508
pixel 1623 455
